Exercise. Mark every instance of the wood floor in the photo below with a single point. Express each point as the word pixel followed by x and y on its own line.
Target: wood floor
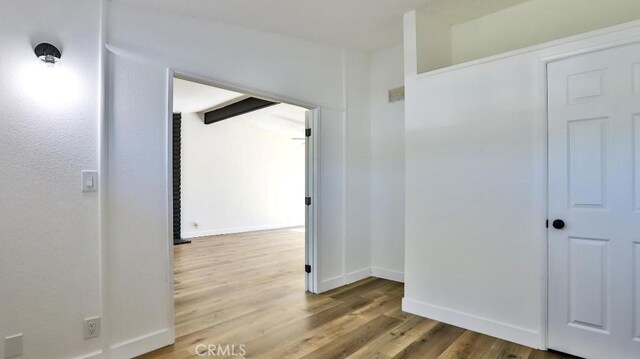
pixel 248 289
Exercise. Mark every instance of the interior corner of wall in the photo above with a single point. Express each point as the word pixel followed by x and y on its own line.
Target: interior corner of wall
pixel 410 44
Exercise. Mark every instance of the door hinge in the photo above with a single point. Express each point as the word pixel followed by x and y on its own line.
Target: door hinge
pixel 547 224
pixel 307 132
pixel 307 201
pixel 307 268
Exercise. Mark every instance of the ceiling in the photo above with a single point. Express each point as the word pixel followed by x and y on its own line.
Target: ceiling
pixel 284 119
pixel 359 24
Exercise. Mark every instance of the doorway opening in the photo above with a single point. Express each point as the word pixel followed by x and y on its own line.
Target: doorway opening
pixel 243 169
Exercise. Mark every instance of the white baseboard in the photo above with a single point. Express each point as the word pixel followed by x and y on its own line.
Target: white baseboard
pixel 504 331
pixel 339 281
pixel 394 275
pixel 141 345
pixel 357 275
pixel 93 355
pixel 231 230
pixel 331 283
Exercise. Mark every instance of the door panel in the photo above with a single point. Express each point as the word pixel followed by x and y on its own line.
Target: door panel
pixel 588 283
pixel 587 156
pixel 594 139
pixel 636 78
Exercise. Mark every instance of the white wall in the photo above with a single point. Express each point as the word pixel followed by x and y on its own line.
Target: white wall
pixel 138 284
pixel 239 177
pixel 433 42
pixel 387 165
pixel 474 196
pixel 475 190
pixel 534 22
pixel 49 255
pixel 144 45
pixel 358 166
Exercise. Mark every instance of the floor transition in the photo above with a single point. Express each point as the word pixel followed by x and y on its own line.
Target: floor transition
pixel 244 294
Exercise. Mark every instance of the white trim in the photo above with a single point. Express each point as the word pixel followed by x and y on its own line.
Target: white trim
pixel 331 283
pixel 389 274
pixel 490 327
pixel 316 201
pixel 93 355
pixel 345 163
pixel 103 167
pixel 357 275
pixel 142 344
pixel 311 190
pixel 612 30
pixel 169 205
pixel 544 167
pixel 231 230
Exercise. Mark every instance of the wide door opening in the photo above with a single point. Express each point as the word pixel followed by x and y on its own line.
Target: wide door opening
pixel 243 215
pixel 594 204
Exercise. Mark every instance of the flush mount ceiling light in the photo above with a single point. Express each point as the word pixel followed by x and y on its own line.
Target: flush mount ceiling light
pixel 48 53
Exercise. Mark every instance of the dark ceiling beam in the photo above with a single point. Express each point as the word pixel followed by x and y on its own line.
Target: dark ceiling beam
pixel 236 109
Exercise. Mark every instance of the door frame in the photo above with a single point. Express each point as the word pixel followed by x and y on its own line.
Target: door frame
pixel 626 34
pixel 311 175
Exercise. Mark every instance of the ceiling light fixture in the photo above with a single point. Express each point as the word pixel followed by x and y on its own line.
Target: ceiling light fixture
pixel 48 53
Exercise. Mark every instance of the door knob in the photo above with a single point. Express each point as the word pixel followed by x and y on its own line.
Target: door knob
pixel 558 224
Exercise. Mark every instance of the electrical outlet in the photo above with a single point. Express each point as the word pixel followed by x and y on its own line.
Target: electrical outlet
pixel 91 327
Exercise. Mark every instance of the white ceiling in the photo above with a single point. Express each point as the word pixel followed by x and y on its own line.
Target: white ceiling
pixel 194 97
pixel 360 24
pixel 284 119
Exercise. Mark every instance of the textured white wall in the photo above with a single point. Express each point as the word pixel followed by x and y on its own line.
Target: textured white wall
pixel 138 211
pixel 49 255
pixel 239 177
pixel 288 67
pixel 475 201
pixel 387 166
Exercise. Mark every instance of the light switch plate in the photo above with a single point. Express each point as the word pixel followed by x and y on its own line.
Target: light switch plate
pixel 89 181
pixel 13 346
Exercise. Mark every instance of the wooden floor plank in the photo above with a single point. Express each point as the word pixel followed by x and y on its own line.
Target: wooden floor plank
pixel 470 345
pixel 432 343
pixel 248 288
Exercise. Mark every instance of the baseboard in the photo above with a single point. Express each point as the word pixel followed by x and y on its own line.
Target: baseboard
pixel 141 345
pixel 93 355
pixel 232 230
pixel 490 327
pixel 330 283
pixel 394 275
pixel 357 275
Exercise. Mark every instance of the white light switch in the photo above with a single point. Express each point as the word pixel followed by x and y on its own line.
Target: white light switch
pixel 89 181
pixel 13 346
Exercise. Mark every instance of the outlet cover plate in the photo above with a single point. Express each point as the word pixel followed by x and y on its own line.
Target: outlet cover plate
pixel 91 327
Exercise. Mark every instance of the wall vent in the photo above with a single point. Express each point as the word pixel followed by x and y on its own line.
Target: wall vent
pixel 396 94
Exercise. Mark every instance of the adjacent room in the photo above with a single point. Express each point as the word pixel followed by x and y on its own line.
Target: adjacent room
pixel 239 210
pixel 428 179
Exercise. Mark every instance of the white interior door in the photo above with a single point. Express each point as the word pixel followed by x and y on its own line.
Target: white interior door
pixel 310 201
pixel 594 188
